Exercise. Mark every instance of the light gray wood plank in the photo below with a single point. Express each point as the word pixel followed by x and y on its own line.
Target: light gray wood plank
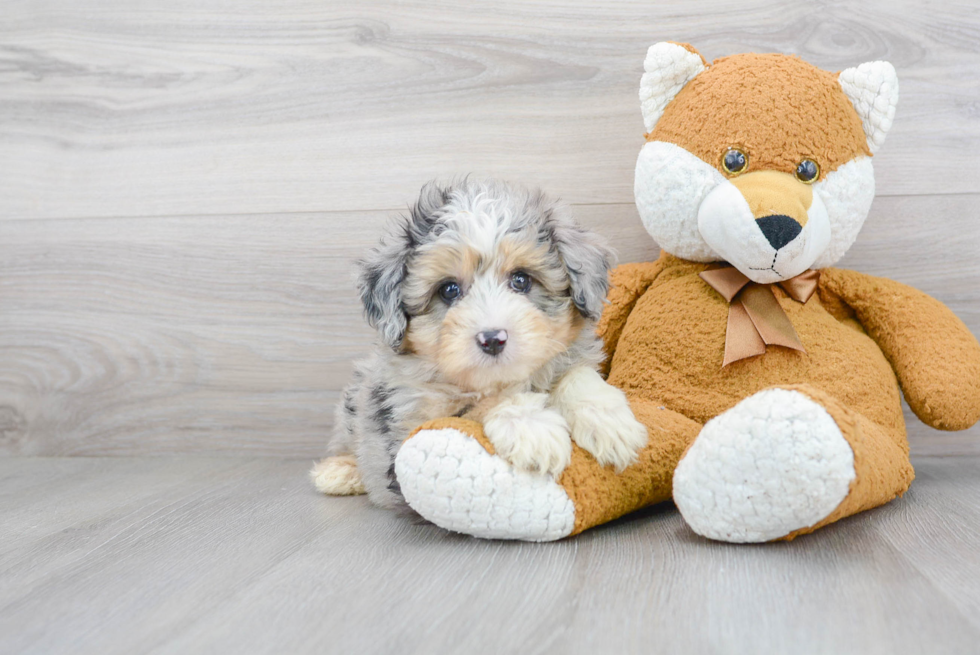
pixel 942 544
pixel 235 334
pixel 48 497
pixel 245 557
pixel 208 333
pixel 173 553
pixel 191 107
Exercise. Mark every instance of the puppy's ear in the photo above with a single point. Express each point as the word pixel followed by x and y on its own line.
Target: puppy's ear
pixel 379 281
pixel 587 259
pixel 383 271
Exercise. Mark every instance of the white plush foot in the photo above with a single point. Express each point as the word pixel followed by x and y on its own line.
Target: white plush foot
pixel 529 434
pixel 451 480
pixel 337 476
pixel 600 418
pixel 771 465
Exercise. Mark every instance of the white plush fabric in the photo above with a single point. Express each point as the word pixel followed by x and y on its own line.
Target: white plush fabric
pixel 847 194
pixel 451 480
pixel 693 212
pixel 670 186
pixel 727 224
pixel 873 90
pixel 668 68
pixel 774 463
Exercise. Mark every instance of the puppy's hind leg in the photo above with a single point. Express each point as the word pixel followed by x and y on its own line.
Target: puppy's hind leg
pixel 337 476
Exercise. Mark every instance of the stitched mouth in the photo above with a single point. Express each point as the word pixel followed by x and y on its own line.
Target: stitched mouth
pixel 772 266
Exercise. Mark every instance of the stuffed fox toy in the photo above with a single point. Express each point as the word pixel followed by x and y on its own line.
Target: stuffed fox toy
pixel 769 382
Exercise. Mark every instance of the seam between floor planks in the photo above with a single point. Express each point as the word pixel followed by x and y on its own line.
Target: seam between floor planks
pixel 371 210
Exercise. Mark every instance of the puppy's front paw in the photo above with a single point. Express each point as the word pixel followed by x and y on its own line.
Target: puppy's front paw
pixel 609 431
pixel 600 419
pixel 529 434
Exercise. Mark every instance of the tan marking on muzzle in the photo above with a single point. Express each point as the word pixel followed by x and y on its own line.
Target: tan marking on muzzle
pixel 772 192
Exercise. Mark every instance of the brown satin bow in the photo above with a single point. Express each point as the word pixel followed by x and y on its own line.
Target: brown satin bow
pixel 755 318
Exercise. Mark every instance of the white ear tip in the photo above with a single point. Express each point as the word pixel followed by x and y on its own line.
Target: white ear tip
pixel 664 54
pixel 668 67
pixel 872 88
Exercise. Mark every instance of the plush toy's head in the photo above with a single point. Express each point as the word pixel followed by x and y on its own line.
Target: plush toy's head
pixel 763 161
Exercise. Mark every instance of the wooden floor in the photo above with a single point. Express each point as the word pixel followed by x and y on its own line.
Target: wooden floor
pixel 194 555
pixel 185 183
pixel 183 188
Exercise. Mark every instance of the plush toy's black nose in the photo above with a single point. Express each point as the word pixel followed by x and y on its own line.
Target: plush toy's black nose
pixel 778 229
pixel 492 342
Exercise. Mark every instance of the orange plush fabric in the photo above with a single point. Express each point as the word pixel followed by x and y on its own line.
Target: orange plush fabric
pixel 673 344
pixel 665 333
pixel 664 330
pixel 600 494
pixel 815 120
pixel 865 340
pixel 881 460
pixel 917 333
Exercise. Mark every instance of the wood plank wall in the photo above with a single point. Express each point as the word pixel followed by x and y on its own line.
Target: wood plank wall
pixel 183 185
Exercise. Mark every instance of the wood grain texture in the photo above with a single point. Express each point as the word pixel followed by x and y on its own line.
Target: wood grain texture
pixel 183 188
pixel 187 555
pixel 191 107
pixel 235 334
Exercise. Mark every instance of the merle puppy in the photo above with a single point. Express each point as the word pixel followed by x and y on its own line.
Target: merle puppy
pixel 485 300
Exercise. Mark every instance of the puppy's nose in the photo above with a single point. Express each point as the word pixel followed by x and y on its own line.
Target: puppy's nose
pixel 492 341
pixel 779 229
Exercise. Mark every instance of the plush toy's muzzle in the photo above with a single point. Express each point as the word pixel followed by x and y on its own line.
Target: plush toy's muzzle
pixel 767 224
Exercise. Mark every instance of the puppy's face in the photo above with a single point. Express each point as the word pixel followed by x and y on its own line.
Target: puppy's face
pixel 487 282
pixel 491 315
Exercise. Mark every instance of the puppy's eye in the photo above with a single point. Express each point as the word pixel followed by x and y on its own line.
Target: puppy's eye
pixel 520 282
pixel 807 171
pixel 734 161
pixel 450 291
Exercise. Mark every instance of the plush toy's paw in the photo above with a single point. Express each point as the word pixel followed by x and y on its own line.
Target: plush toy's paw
pixel 529 434
pixel 600 419
pixel 773 464
pixel 452 481
pixel 337 476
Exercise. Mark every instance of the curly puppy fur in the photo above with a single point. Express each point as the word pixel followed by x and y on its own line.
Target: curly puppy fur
pixel 429 362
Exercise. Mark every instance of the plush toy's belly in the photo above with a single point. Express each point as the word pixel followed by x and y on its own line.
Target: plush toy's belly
pixel 672 347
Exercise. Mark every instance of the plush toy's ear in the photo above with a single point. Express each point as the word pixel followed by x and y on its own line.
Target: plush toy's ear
pixel 872 88
pixel 668 67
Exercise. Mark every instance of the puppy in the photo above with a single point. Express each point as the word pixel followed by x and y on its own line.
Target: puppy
pixel 485 300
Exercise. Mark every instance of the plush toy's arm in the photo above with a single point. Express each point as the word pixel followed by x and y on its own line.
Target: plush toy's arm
pixel 934 355
pixel 626 284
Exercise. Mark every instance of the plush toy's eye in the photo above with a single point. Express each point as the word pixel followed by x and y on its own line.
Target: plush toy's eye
pixel 735 161
pixel 449 291
pixel 520 282
pixel 807 171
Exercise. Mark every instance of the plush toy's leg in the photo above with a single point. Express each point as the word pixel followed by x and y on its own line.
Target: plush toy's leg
pixel 449 474
pixel 785 462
